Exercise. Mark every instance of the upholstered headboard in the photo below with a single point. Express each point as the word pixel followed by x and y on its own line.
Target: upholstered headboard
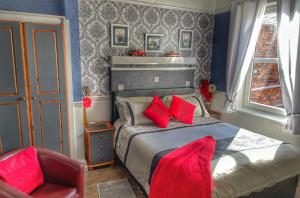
pixel 137 82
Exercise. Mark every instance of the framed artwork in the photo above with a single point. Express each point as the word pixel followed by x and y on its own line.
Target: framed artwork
pixel 154 42
pixel 119 35
pixel 185 39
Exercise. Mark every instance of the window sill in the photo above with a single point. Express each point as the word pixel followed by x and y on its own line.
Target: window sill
pixel 273 117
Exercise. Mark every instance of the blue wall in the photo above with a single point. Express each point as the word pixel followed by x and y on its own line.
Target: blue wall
pixel 218 68
pixel 71 11
pixel 68 8
pixel 52 7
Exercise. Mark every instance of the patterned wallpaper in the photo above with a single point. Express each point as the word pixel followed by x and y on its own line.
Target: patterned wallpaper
pixel 96 16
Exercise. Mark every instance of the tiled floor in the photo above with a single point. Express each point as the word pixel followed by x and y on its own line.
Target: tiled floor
pixel 109 173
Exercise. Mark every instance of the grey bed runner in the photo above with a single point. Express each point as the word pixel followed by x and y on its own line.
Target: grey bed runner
pixel 243 162
pixel 161 131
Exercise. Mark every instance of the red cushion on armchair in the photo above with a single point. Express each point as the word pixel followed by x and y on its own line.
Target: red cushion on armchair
pixel 22 171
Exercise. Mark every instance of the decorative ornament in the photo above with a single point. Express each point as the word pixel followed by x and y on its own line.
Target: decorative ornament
pixel 212 88
pixel 205 91
pixel 86 103
pixel 173 54
pixel 137 53
pixel 86 100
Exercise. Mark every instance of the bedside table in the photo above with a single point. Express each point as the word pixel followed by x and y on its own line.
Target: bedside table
pixel 98 138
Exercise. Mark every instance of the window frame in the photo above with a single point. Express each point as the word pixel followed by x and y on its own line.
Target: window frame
pixel 247 90
pixel 246 102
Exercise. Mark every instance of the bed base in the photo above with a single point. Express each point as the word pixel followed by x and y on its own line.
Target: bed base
pixel 284 189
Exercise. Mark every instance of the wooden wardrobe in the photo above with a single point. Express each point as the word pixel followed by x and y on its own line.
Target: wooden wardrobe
pixel 33 91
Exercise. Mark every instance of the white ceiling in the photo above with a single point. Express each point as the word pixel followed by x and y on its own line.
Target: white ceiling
pixel 209 6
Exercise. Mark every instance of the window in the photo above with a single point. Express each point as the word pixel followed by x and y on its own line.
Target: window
pixel 263 90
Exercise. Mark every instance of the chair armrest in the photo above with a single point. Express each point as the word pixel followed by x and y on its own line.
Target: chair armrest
pixel 61 169
pixel 7 191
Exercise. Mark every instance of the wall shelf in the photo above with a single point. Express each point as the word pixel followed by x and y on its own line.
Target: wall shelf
pixel 146 60
pixel 151 68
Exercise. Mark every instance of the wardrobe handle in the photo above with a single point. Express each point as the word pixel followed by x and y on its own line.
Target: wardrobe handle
pixel 21 99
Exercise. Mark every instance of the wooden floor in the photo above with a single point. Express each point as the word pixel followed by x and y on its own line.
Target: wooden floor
pixel 105 174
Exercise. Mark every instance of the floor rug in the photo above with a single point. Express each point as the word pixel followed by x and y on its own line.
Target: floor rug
pixel 115 189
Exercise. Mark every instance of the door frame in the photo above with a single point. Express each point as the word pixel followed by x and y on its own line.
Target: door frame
pixel 23 17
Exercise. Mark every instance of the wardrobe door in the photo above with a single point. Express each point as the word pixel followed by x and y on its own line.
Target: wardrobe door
pixel 14 126
pixel 45 54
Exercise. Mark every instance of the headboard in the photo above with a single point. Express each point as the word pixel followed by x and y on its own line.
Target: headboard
pixel 136 82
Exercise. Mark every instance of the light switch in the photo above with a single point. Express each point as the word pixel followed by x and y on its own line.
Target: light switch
pixel 187 83
pixel 155 79
pixel 120 87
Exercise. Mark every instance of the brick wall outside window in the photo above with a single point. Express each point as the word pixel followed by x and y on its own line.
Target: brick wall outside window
pixel 265 88
pixel 266 46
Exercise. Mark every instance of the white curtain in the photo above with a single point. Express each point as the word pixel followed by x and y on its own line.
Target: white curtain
pixel 245 23
pixel 289 59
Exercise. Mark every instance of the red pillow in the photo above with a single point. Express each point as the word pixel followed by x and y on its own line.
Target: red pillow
pixel 22 171
pixel 157 100
pixel 182 110
pixel 158 113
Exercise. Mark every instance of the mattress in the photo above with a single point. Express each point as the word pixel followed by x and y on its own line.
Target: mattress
pixel 244 162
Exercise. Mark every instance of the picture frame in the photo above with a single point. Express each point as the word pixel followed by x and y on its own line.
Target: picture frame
pixel 154 42
pixel 185 39
pixel 119 35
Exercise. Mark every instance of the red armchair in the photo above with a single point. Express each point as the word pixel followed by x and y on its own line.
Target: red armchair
pixel 63 177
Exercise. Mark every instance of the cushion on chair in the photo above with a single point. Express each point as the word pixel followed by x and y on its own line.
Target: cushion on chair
pixel 22 170
pixel 51 190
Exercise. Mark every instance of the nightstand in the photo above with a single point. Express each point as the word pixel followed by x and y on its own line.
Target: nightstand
pixel 98 139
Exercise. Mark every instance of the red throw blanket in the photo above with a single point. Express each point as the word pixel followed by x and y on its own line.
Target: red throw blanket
pixel 185 172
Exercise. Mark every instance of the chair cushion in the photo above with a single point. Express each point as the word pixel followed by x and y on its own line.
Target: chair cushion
pixel 50 190
pixel 22 170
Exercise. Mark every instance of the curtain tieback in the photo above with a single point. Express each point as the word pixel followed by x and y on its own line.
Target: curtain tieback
pixel 289 114
pixel 229 99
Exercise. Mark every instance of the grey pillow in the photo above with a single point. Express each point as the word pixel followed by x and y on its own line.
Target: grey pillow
pixel 124 113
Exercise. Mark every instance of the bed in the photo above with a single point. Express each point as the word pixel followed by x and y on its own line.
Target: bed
pixel 245 164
